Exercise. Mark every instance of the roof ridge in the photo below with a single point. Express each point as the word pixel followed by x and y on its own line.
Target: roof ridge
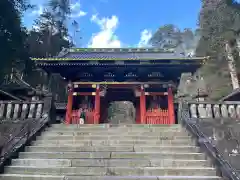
pixel 157 50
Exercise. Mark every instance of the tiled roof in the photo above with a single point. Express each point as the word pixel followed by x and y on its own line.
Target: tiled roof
pixel 116 54
pixel 119 55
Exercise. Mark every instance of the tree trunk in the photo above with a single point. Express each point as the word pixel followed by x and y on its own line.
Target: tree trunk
pixel 232 66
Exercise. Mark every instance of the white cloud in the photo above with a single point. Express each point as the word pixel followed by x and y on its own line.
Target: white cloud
pixel 75 6
pixel 37 12
pixel 106 38
pixel 145 37
pixel 76 10
pixel 79 14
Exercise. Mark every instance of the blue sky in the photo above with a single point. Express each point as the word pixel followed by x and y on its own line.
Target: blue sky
pixel 123 23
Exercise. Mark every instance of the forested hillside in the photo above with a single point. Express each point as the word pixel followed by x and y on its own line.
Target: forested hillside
pixel 217 36
pixel 48 37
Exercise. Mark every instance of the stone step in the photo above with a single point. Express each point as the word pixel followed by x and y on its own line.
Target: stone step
pixel 113 142
pixel 116 130
pixel 63 148
pixel 117 125
pixel 79 137
pixel 54 177
pixel 112 155
pixel 110 163
pixel 112 171
pixel 114 134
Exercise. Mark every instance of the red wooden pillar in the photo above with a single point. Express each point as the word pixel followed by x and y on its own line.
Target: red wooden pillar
pixel 68 118
pixel 142 106
pixel 171 113
pixel 97 105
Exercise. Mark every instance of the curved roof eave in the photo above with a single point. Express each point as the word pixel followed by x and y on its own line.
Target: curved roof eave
pixel 118 59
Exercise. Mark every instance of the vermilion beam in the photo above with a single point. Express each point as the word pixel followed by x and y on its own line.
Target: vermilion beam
pixel 84 93
pixel 156 93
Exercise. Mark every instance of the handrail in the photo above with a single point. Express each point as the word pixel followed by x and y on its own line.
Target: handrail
pixel 11 143
pixel 226 169
pixel 25 102
pixel 29 127
pixel 213 102
pixel 10 95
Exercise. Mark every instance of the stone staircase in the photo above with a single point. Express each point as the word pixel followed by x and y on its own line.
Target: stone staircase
pixel 117 152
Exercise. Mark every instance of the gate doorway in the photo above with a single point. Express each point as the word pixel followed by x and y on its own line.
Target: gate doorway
pixel 118 106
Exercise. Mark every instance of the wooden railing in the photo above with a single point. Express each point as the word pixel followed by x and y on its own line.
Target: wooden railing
pixel 89 116
pixel 20 121
pixel 157 116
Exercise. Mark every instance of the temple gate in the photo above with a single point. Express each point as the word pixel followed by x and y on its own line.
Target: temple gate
pixel 150 75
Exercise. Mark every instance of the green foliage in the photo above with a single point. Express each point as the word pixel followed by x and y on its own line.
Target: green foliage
pixel 12 35
pixel 170 37
pixel 19 44
pixel 165 35
pixel 219 24
pixel 48 40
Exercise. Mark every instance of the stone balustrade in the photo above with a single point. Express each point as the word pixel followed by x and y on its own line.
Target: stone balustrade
pixel 204 109
pixel 20 121
pixel 20 110
pixel 220 124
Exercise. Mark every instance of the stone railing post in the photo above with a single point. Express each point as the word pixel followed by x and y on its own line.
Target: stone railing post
pixel 201 111
pixel 49 109
pixel 224 111
pixel 238 111
pixel 216 111
pixel 232 111
pixel 209 111
pixel 16 111
pixel 2 107
pixel 193 110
